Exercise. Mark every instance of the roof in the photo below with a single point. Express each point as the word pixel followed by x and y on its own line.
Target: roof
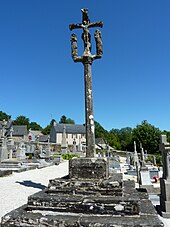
pixel 100 141
pixel 43 138
pixel 70 128
pixel 36 132
pixel 19 130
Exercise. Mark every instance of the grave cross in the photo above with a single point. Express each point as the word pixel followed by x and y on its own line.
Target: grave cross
pixel 87 59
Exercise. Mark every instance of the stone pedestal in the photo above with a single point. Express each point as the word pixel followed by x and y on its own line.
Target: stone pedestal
pixel 165 180
pixel 165 197
pixel 88 168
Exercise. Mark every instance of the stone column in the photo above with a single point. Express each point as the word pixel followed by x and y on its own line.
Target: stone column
pixel 90 136
pixel 90 166
pixel 63 141
pixel 165 180
pixel 86 59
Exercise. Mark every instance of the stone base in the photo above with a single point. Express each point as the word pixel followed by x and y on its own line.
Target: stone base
pixel 89 196
pixel 162 213
pixel 165 197
pixel 108 202
pixel 4 173
pixel 89 168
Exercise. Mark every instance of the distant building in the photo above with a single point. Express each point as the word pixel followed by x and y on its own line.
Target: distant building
pixel 74 133
pixel 34 135
pixel 19 131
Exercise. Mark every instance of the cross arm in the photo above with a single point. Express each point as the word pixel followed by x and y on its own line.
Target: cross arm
pixel 74 26
pixel 96 24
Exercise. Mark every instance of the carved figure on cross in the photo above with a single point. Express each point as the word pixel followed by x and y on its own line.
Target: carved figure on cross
pixel 86 37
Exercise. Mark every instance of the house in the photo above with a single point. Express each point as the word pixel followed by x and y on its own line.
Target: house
pixel 74 133
pixel 100 142
pixel 34 135
pixel 18 131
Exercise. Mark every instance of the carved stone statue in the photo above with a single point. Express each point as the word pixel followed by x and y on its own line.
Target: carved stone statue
pixel 99 46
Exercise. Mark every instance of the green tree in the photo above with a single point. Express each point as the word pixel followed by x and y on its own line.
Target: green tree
pixel 4 116
pixel 113 141
pixel 125 138
pixel 167 134
pixel 34 126
pixel 52 122
pixel 148 135
pixel 65 120
pixel 46 130
pixel 100 132
pixel 22 120
pixel 110 138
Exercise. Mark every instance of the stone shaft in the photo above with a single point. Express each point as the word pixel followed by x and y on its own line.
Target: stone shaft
pixel 90 132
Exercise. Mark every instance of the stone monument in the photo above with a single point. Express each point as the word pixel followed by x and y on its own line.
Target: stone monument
pixel 3 143
pixel 165 180
pixel 88 196
pixel 87 59
pixel 64 146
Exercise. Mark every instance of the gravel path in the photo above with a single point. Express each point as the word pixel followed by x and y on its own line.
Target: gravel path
pixel 15 189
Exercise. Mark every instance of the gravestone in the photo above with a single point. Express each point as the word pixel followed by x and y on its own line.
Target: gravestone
pixel 145 178
pixel 11 144
pixel 21 151
pixel 3 143
pixel 165 180
pixel 89 196
pixel 3 149
pixel 142 157
pixel 136 162
pixel 64 146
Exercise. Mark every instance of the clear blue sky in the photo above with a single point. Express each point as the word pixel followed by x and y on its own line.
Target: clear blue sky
pixel 131 83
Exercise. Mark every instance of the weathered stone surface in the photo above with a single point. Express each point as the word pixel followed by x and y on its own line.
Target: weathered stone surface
pixel 88 168
pixel 71 202
pixel 87 58
pixel 5 173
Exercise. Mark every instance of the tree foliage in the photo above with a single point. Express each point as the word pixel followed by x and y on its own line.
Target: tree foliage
pixel 148 135
pixel 124 137
pixel 120 139
pixel 46 130
pixel 4 116
pixel 22 120
pixel 34 126
pixel 65 120
pixel 111 139
pixel 100 132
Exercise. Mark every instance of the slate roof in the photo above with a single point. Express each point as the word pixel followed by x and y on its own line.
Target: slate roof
pixel 100 141
pixel 70 128
pixel 19 130
pixel 43 138
pixel 36 132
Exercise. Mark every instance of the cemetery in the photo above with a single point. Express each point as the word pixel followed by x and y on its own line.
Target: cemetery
pixel 100 188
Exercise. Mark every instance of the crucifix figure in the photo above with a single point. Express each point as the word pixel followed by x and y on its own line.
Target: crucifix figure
pixel 87 59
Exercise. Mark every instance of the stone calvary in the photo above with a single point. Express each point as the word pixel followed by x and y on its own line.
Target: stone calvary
pixel 89 195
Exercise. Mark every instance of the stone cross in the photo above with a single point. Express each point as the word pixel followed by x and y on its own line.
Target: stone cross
pixel 165 149
pixel 4 127
pixel 64 142
pixel 87 59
